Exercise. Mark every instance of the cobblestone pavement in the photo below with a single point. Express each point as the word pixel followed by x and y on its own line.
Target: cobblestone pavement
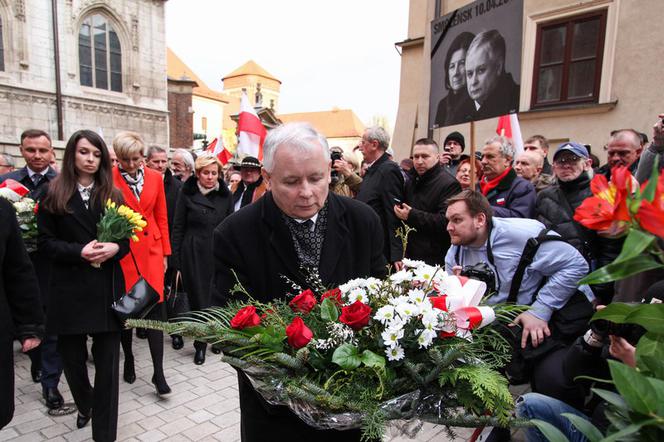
pixel 203 406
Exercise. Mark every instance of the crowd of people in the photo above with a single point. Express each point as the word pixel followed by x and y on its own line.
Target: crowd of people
pixel 307 205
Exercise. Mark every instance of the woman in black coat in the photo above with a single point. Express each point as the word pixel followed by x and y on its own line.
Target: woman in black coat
pixel 203 203
pixel 80 294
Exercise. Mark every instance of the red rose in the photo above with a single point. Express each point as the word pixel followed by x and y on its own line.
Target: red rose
pixel 298 334
pixel 334 295
pixel 35 209
pixel 355 315
pixel 304 302
pixel 439 302
pixel 245 317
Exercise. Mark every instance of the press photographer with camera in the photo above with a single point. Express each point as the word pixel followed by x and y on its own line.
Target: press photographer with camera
pixel 345 179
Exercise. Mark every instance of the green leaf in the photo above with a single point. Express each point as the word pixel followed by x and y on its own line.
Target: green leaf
pixel 650 354
pixel 612 398
pixel 371 359
pixel 634 388
pixel 549 431
pixel 649 316
pixel 347 357
pixel 614 312
pixel 631 429
pixel 585 427
pixel 621 270
pixel 328 310
pixel 635 243
pixel 657 386
pixel 649 191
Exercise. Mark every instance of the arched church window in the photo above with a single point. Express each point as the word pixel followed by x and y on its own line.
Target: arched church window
pixel 99 54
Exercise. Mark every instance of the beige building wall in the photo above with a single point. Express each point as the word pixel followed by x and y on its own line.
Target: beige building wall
pixel 631 92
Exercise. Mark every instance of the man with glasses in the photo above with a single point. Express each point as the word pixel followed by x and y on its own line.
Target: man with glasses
pixel 6 163
pixel 556 205
pixel 623 149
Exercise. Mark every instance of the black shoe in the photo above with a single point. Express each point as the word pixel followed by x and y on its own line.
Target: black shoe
pixel 199 357
pixel 177 342
pixel 53 398
pixel 141 333
pixel 82 420
pixel 161 386
pixel 216 350
pixel 36 373
pixel 129 373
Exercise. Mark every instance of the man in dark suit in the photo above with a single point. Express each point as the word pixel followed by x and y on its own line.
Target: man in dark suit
pixel 298 224
pixel 381 188
pixel 491 88
pixel 20 314
pixel 37 152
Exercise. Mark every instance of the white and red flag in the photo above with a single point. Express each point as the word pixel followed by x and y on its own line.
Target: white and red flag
pixel 217 148
pixel 13 190
pixel 508 126
pixel 251 132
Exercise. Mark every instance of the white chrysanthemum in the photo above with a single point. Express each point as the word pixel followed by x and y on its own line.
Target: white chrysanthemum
pixel 416 296
pixel 399 300
pixel 9 194
pixel 357 294
pixel 430 318
pixel 413 263
pixel 396 323
pixel 372 285
pixel 425 273
pixel 395 353
pixel 425 338
pixel 391 336
pixel 384 314
pixel 408 310
pixel 401 276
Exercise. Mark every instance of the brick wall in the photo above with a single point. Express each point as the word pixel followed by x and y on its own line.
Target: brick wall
pixel 181 117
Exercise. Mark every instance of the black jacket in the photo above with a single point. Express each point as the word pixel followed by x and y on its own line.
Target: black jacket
pixel 427 195
pixel 196 217
pixel 172 187
pixel 555 208
pixel 513 197
pixel 21 314
pixel 381 186
pixel 255 242
pixel 81 295
pixel 502 100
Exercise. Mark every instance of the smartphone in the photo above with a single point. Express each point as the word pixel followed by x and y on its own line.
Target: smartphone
pixel 398 202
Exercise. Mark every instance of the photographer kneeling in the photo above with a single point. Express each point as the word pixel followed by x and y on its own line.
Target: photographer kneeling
pixel 528 265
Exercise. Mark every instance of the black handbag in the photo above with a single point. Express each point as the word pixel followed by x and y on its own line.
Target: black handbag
pixel 177 301
pixel 138 301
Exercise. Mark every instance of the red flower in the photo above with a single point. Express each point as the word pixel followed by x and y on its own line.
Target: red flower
pixel 298 334
pixel 355 315
pixel 304 302
pixel 245 317
pixel 36 208
pixel 606 211
pixel 334 294
pixel 439 302
pixel 651 214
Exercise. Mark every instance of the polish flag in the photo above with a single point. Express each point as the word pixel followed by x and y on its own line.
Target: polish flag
pixel 508 126
pixel 251 131
pixel 13 190
pixel 216 148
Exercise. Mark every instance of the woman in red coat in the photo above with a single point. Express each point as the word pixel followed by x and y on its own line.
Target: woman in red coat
pixel 143 191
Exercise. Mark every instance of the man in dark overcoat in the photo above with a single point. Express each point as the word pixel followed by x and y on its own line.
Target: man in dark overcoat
pixel 297 225
pixel 21 315
pixel 37 152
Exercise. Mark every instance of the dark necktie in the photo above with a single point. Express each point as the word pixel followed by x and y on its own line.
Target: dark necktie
pixel 307 241
pixel 36 178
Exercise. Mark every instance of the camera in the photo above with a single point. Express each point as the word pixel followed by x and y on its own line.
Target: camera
pixel 335 155
pixel 602 328
pixel 481 271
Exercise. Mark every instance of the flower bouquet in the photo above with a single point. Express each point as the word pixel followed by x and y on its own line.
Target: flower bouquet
pixel 411 346
pixel 26 211
pixel 118 223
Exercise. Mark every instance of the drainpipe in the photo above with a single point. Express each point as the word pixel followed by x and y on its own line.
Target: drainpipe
pixel 56 50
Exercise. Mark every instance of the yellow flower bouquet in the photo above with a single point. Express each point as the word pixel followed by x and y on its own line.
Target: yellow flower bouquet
pixel 118 223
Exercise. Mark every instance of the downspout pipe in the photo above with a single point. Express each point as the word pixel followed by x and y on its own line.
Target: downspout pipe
pixel 56 50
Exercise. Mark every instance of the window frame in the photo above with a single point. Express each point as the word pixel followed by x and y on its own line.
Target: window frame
pixel 569 22
pixel 89 20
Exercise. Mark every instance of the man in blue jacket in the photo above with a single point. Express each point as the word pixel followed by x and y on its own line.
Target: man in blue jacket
pixel 510 196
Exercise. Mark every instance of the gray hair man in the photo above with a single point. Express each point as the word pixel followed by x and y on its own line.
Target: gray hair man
pixel 295 229
pixel 182 164
pixel 381 188
pixel 7 163
pixel 510 195
pixel 623 149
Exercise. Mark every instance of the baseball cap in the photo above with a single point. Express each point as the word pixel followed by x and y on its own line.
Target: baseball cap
pixel 576 148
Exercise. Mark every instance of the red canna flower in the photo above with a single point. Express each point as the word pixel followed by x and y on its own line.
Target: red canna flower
pixel 651 214
pixel 607 211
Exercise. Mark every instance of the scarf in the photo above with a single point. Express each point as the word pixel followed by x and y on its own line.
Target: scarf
pixel 85 193
pixel 487 186
pixel 204 191
pixel 135 184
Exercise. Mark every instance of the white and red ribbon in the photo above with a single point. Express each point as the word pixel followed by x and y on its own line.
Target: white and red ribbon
pixel 13 190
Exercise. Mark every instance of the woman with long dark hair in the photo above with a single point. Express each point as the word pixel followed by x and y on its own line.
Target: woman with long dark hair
pixel 456 105
pixel 143 191
pixel 80 294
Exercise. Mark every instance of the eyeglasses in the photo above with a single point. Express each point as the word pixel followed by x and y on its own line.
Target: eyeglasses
pixel 566 160
pixel 620 153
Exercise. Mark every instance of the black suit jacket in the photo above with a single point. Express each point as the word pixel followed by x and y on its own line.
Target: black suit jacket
pixel 21 314
pixel 81 295
pixel 256 243
pixel 381 185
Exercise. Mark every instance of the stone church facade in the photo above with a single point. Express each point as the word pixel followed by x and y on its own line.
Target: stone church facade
pixel 112 69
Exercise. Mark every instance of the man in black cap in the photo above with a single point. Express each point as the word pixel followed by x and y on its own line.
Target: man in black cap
pixel 452 154
pixel 252 185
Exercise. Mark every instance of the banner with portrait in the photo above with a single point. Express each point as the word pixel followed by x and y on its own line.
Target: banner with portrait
pixel 476 62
